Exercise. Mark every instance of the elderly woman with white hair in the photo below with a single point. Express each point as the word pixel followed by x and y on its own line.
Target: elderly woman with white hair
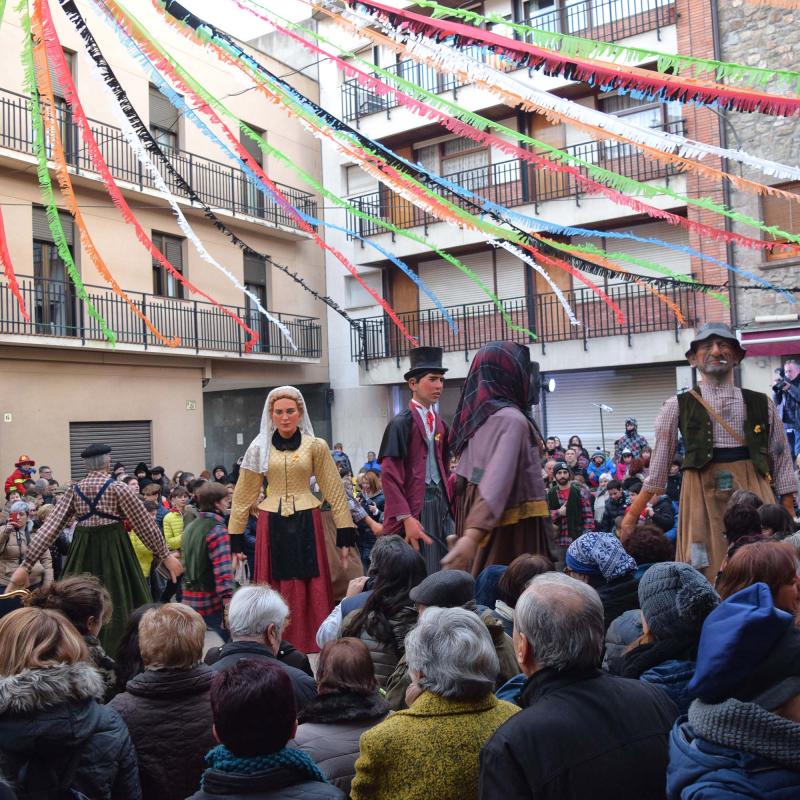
pixel 290 552
pixel 432 748
pixel 15 538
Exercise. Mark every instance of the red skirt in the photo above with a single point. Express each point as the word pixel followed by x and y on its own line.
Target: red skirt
pixel 310 601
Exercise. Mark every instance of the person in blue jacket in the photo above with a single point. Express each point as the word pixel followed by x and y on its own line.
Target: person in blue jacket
pixel 599 464
pixel 741 738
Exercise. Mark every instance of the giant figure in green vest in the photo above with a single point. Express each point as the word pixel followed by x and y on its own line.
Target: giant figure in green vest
pixel 734 439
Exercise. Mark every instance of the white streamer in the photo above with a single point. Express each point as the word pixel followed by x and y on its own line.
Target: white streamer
pixel 452 60
pixel 516 251
pixel 144 158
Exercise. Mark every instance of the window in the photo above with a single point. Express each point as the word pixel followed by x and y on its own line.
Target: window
pixel 356 296
pixel 54 311
pixel 643 114
pixel 459 157
pixel 253 199
pixel 359 181
pixel 257 282
pixel 164 282
pixel 783 214
pixel 163 120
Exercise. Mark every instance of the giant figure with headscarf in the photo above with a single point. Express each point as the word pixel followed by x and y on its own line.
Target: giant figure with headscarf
pixel 502 510
pixel 290 551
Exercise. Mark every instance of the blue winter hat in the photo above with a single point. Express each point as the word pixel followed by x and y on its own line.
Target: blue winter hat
pixel 599 554
pixel 737 637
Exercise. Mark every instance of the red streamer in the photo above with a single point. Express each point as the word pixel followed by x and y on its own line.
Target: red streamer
pixel 8 270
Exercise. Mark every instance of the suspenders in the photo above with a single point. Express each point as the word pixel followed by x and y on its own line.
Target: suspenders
pixel 93 512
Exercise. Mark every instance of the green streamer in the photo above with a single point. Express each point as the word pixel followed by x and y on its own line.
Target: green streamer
pixel 569 45
pixel 269 150
pixel 43 173
pixel 613 180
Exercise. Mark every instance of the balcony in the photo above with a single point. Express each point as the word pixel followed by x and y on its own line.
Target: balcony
pixel 514 183
pixel 606 20
pixel 219 185
pixel 601 20
pixel 480 323
pixel 56 312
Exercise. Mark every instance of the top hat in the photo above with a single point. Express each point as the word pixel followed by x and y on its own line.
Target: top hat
pixel 721 331
pixel 423 361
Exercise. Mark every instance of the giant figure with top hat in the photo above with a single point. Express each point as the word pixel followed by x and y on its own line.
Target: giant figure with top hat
pixel 734 439
pixel 414 463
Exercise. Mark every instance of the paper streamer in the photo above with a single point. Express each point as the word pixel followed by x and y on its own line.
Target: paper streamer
pixel 673 63
pixel 43 174
pixel 154 59
pixel 608 76
pixel 8 269
pixel 65 181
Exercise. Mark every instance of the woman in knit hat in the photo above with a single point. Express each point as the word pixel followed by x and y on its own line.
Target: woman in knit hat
pixel 600 560
pixel 675 599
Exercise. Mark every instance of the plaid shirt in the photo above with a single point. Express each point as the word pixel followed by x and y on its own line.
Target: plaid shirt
pixel 563 536
pixel 219 552
pixel 728 402
pixel 118 499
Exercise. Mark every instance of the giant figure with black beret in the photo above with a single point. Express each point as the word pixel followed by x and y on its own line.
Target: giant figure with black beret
pixel 413 458
pixel 734 439
pixel 100 544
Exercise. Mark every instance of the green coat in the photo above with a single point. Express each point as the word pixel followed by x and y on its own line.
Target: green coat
pixel 429 750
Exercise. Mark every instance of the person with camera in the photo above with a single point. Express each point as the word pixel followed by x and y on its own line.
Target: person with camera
pixel 15 538
pixel 786 393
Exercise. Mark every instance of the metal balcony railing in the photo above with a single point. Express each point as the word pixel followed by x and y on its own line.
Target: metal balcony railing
pixel 514 183
pixel 480 323
pixel 219 185
pixel 55 311
pixel 601 20
pixel 606 20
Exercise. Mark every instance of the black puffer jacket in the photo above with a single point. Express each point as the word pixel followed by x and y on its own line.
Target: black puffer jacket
pixel 50 719
pixel 329 730
pixel 168 713
pixel 280 783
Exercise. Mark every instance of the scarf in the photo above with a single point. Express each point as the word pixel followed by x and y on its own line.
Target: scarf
pixel 221 759
pixel 500 376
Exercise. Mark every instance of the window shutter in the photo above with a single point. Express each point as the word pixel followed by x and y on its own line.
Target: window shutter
pixel 782 214
pixel 173 250
pixel 41 229
pixel 255 270
pixel 360 182
pixel 252 147
pixel 162 113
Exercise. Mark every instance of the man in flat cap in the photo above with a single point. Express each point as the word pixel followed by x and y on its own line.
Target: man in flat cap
pixel 100 544
pixel 413 459
pixel 734 439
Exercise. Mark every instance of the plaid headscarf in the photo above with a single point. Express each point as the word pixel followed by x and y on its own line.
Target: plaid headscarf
pixel 500 376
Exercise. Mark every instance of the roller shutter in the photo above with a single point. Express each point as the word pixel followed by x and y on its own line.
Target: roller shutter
pixel 41 228
pixel 162 113
pixel 451 286
pixel 510 275
pixel 131 442
pixel 638 392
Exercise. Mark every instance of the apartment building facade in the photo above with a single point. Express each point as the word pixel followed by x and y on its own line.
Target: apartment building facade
pixel 630 368
pixel 187 407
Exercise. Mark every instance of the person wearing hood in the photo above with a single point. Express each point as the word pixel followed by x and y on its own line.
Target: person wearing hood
pixel 675 600
pixel 167 707
pixel 741 737
pixel 54 734
pixel 142 474
pixel 631 440
pixel 600 560
pixel 220 474
pixel 599 464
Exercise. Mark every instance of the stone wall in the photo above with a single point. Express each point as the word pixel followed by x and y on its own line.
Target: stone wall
pixel 762 37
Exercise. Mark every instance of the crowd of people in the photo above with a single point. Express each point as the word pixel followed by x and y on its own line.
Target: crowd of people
pixel 479 611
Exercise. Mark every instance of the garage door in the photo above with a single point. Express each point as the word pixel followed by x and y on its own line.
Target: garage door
pixel 131 442
pixel 630 392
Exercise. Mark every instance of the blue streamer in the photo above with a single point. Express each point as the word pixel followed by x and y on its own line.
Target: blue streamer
pixel 179 103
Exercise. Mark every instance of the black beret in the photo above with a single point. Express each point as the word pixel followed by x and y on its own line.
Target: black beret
pixel 96 450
